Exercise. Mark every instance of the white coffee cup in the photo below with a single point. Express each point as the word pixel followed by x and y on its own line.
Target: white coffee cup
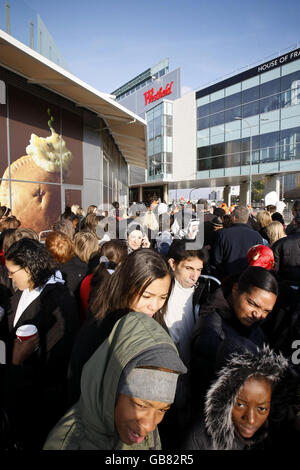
pixel 26 332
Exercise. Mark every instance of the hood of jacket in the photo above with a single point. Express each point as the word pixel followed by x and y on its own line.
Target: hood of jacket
pixel 221 396
pixel 133 334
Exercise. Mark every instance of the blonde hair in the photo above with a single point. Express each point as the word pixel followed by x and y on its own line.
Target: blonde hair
pixel 275 231
pixel 85 244
pixel 264 218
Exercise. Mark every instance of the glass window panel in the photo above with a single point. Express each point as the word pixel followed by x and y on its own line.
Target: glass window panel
pixel 269 122
pixel 218 162
pixel 269 104
pixel 203 165
pixel 202 137
pixel 149 115
pixel 290 98
pixel 250 125
pixel 158 111
pixel 217 106
pixel 203 100
pixel 290 144
pixel 269 147
pixel 157 145
pixel 233 100
pixel 250 83
pixel 203 152
pixel 232 130
pixel 270 88
pixel 250 109
pixel 233 113
pixel 218 137
pixel 217 130
pixel 290 81
pixel 246 143
pixel 203 110
pixel 233 89
pixel 270 75
pixel 203 123
pixel 216 119
pixel 251 94
pixel 150 148
pixel 218 149
pixel 291 67
pixel 169 157
pixel 150 129
pixel 289 116
pixel 157 126
pixel 217 95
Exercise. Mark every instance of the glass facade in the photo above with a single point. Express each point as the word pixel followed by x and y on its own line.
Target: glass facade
pixel 160 140
pixel 260 114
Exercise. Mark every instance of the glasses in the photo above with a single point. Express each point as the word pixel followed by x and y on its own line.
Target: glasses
pixel 10 273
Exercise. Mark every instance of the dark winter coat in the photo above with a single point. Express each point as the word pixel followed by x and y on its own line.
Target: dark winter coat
pixel 287 256
pixel 217 334
pixel 34 393
pixel 231 247
pixel 217 430
pixel 74 271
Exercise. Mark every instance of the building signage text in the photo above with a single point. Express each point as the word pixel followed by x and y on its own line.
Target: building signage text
pixel 290 56
pixel 150 96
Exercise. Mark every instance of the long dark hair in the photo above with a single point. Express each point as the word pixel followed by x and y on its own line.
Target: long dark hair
pixel 116 252
pixel 131 278
pixel 31 254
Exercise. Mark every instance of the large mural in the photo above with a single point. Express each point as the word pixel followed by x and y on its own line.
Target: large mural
pixel 44 152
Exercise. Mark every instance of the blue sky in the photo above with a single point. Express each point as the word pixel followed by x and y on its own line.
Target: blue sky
pixel 106 43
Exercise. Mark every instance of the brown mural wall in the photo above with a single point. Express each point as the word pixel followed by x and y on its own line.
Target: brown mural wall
pixel 44 151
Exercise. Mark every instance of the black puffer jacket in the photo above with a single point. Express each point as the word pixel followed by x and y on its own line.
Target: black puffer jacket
pixel 287 256
pixel 217 431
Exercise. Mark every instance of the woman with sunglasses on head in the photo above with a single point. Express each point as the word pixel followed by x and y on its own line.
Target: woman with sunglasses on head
pixel 35 384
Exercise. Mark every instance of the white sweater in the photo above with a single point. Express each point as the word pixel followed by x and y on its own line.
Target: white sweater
pixel 179 319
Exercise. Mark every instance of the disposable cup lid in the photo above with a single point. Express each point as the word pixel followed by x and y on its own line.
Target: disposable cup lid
pixel 26 330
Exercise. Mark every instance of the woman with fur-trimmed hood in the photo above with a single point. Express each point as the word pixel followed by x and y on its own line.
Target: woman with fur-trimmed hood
pixel 238 403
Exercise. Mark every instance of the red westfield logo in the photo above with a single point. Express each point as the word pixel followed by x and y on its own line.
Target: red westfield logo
pixel 150 96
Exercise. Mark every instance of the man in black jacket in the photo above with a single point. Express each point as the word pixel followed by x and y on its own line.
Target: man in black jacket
pixel 287 253
pixel 233 243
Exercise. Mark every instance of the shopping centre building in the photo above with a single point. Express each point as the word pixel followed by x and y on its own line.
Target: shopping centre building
pixel 235 132
pixel 62 142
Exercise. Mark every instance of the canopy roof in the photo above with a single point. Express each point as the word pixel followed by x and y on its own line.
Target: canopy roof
pixel 127 129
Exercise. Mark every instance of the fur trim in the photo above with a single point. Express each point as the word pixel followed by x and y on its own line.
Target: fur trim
pixel 221 396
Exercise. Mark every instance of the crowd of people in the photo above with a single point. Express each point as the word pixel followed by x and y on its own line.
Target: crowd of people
pixel 146 340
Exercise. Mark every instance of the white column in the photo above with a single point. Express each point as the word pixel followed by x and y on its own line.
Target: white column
pixel 272 189
pixel 244 194
pixel 140 193
pixel 166 193
pixel 227 195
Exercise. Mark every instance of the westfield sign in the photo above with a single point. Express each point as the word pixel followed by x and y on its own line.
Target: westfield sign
pixel 150 96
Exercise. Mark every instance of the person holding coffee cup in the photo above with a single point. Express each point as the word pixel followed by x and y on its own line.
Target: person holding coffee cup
pixel 35 383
